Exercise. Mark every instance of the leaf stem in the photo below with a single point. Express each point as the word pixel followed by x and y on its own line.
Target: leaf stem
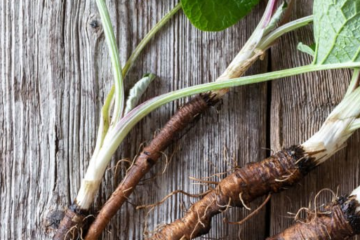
pixel 260 28
pixel 103 126
pixel 251 51
pixel 105 118
pixel 355 125
pixel 115 60
pixel 119 132
pixel 354 83
pixel 114 52
pixel 149 36
pixel 88 188
pixel 274 35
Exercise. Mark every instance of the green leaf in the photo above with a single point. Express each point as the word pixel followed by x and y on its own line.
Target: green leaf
pixel 306 49
pixel 216 15
pixel 336 29
pixel 137 91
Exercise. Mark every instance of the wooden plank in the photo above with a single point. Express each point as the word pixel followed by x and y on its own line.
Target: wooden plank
pixel 55 72
pixel 299 106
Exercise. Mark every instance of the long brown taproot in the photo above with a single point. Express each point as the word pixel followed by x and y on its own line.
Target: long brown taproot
pixel 238 189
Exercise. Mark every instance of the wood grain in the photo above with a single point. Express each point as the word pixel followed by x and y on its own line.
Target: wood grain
pixel 55 72
pixel 298 109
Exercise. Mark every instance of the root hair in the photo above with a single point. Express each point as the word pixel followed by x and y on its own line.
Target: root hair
pixel 256 211
pixel 170 195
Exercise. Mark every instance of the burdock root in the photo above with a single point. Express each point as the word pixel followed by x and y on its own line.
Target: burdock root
pixel 271 175
pixel 339 220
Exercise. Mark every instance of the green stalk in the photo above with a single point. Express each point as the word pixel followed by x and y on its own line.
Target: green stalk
pixel 91 182
pixel 149 36
pixel 115 60
pixel 262 38
pixel 355 125
pixel 103 126
pixel 354 83
pixel 291 26
pixel 135 54
pixel 105 118
pixel 119 132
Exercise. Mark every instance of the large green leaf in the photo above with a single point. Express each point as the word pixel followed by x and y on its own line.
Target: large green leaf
pixel 216 15
pixel 337 31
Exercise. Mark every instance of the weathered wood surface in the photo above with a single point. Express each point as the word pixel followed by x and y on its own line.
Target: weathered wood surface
pixel 55 71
